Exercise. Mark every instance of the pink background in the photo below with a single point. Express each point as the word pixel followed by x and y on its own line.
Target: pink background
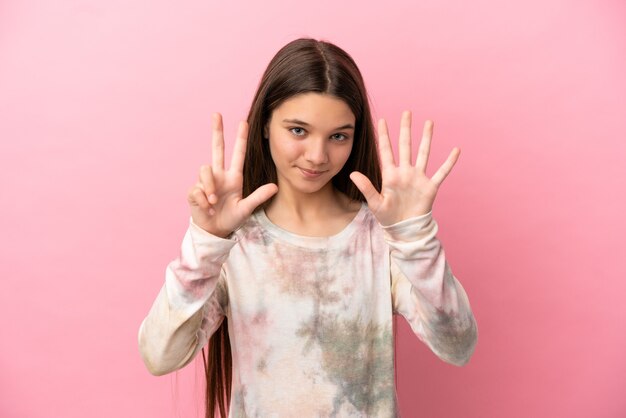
pixel 104 122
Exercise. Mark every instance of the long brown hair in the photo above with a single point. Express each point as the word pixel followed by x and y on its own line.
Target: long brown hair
pixel 302 66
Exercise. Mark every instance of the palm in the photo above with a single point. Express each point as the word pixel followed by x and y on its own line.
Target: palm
pixel 406 190
pixel 225 214
pixel 216 201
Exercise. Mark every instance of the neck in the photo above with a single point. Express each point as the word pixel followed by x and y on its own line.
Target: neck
pixel 319 214
pixel 306 206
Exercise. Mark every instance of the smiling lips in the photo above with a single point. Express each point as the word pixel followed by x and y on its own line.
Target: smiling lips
pixel 311 173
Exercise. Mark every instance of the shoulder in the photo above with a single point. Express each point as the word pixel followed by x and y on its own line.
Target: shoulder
pixel 251 231
pixel 368 215
pixel 367 222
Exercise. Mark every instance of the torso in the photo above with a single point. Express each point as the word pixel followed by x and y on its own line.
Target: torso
pixel 310 321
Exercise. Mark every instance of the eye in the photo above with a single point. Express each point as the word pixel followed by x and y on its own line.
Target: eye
pixel 339 137
pixel 297 131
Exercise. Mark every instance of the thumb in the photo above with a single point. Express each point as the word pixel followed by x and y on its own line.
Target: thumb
pixel 374 199
pixel 260 195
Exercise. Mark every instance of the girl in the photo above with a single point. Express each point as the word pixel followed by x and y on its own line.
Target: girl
pixel 299 254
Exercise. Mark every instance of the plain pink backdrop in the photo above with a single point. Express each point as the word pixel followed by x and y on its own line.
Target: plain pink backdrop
pixel 104 122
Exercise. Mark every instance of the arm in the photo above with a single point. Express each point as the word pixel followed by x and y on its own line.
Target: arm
pixel 191 303
pixel 424 289
pixel 189 307
pixel 426 293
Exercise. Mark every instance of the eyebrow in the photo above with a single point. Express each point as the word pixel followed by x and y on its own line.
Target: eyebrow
pixel 300 122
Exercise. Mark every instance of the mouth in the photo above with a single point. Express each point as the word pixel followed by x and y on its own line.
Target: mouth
pixel 311 173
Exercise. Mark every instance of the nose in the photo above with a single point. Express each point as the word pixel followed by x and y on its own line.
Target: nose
pixel 316 152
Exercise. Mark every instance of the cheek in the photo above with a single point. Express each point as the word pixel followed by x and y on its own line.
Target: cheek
pixel 344 154
pixel 283 150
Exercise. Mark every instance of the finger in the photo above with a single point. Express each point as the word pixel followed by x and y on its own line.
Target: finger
pixel 384 146
pixel 446 167
pixel 424 150
pixel 373 198
pixel 208 183
pixel 257 197
pixel 197 197
pixel 239 151
pixel 218 142
pixel 404 151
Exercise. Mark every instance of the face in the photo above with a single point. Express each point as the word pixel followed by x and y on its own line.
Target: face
pixel 310 138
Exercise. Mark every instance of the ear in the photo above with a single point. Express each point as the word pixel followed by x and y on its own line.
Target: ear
pixel 266 133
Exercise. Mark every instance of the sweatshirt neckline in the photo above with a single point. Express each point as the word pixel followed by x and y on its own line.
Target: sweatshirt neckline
pixel 311 242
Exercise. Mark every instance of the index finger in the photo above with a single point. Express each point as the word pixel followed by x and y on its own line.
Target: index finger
pixel 218 142
pixel 239 151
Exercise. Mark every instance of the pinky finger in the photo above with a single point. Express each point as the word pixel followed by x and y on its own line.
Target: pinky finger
pixel 446 167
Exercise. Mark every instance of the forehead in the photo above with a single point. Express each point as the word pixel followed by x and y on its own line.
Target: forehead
pixel 316 109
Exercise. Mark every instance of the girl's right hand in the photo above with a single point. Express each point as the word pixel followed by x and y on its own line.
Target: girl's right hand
pixel 215 201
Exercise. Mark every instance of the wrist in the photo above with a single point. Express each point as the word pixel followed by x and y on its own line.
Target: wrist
pixel 209 230
pixel 410 229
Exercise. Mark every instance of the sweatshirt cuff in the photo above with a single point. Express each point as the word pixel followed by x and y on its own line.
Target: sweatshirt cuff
pixel 410 229
pixel 200 235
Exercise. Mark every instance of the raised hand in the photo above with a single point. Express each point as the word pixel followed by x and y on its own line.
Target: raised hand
pixel 216 200
pixel 406 190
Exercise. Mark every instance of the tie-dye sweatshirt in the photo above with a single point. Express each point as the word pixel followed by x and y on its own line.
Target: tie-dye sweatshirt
pixel 310 318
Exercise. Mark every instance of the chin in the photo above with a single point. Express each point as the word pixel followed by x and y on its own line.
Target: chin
pixel 314 188
pixel 303 186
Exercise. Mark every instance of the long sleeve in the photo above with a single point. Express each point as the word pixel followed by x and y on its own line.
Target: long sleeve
pixel 190 305
pixel 426 293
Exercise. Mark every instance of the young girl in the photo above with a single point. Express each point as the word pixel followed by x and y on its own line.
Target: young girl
pixel 299 254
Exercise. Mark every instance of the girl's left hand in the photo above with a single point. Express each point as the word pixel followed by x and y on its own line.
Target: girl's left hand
pixel 406 190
